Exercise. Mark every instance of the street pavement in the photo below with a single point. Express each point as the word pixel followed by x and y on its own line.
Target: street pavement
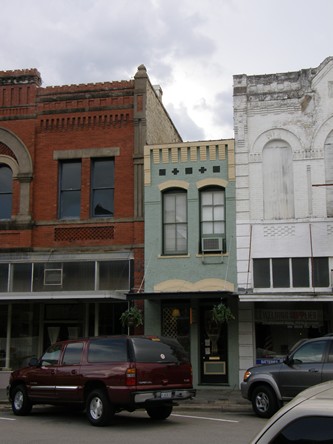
pixel 224 399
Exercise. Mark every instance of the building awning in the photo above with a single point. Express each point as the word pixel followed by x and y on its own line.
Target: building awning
pixel 286 297
pixel 162 296
pixel 63 295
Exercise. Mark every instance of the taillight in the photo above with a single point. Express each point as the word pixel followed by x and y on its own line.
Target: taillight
pixel 131 376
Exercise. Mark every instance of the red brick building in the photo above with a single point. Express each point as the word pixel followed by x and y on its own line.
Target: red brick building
pixel 71 205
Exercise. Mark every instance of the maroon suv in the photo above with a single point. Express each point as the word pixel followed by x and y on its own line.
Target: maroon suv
pixel 105 375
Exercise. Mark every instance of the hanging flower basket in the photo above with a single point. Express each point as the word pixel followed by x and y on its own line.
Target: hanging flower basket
pixel 132 317
pixel 221 314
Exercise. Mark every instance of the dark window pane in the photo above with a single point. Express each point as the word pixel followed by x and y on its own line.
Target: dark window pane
pixel 102 187
pixel 103 202
pixel 72 354
pixel 162 350
pixel 261 273
pixel 22 277
pixel 70 190
pixel 6 184
pixel 300 267
pixel 108 350
pixel 320 273
pixel 3 277
pixel 308 429
pixel 70 204
pixel 78 276
pixel 281 278
pixel 114 275
pixel 71 176
pixel 103 175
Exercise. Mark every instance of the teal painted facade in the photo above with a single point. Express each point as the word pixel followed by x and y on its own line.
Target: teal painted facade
pixel 181 289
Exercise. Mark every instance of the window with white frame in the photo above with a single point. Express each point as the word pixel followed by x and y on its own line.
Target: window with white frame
pixel 212 219
pixel 175 222
pixel 291 272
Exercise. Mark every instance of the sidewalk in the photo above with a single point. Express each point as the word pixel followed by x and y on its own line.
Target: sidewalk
pixel 226 400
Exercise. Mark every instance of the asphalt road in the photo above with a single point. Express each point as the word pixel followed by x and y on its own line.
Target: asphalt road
pixel 53 425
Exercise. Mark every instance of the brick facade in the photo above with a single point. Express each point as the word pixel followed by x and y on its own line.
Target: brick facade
pixel 42 127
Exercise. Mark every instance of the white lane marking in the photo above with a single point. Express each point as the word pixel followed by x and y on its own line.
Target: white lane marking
pixel 204 417
pixel 7 419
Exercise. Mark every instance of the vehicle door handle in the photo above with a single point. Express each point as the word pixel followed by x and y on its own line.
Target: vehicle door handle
pixel 73 372
pixel 313 370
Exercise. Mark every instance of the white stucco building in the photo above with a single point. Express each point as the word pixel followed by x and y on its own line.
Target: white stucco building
pixel 284 209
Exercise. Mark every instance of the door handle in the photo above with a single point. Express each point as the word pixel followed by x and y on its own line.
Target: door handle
pixel 313 370
pixel 73 372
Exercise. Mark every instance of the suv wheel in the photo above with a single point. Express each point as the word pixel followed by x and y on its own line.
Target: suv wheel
pixel 159 411
pixel 264 401
pixel 21 404
pixel 99 410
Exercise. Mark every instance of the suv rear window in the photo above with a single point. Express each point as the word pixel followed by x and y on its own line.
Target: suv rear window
pixel 158 350
pixel 108 350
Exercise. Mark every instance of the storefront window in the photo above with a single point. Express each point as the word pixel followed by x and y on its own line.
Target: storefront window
pixel 3 334
pixel 278 329
pixel 24 334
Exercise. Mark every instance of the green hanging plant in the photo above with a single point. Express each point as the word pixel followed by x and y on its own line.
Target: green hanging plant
pixel 132 317
pixel 221 314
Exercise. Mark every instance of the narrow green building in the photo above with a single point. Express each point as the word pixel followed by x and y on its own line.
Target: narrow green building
pixel 190 254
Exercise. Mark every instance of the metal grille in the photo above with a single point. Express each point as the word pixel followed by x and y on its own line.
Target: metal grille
pixel 169 324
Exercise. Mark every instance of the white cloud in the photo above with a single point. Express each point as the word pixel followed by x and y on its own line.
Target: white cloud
pixel 191 48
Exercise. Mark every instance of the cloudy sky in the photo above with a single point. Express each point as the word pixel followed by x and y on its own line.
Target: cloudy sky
pixel 192 48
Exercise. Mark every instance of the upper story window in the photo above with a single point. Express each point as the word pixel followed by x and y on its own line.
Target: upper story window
pixel 278 182
pixel 175 222
pixel 212 219
pixel 70 189
pixel 291 272
pixel 6 191
pixel 102 188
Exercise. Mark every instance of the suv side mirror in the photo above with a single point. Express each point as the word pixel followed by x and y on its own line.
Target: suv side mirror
pixel 34 362
pixel 288 360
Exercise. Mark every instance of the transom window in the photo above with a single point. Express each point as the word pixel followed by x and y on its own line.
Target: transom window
pixel 102 188
pixel 6 191
pixel 175 222
pixel 70 190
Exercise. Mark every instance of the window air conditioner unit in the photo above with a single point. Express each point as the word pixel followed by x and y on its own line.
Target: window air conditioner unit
pixel 212 244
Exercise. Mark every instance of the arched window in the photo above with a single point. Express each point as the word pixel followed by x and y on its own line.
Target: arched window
pixel 329 173
pixel 278 182
pixel 6 191
pixel 175 222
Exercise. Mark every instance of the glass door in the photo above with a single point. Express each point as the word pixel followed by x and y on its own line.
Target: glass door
pixel 213 348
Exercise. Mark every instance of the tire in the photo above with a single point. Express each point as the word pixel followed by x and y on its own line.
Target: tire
pixel 264 401
pixel 98 408
pixel 159 412
pixel 21 404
